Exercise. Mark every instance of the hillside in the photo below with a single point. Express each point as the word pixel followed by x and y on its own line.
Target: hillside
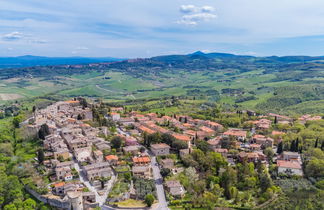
pixel 29 60
pixel 293 84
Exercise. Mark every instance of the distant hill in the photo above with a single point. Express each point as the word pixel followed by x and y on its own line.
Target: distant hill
pixel 29 61
pixel 277 84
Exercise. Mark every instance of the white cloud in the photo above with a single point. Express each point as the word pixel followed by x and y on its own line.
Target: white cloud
pixel 188 8
pixel 194 19
pixel 13 36
pixel 208 9
pixel 194 15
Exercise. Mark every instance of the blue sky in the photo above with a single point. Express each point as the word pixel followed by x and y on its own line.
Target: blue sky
pixel 144 28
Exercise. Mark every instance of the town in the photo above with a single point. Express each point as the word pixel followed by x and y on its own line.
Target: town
pixel 100 156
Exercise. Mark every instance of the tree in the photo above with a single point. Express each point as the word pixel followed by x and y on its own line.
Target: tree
pixel 203 145
pixel 149 199
pixel 269 153
pixel 279 149
pixel 40 156
pixel 116 142
pixel 275 120
pixel 293 146
pixel 34 109
pixel 165 172
pixel 127 176
pixel 167 138
pixel 29 204
pixel 265 181
pixel 43 131
pixel 316 143
pixel 16 121
pixel 178 145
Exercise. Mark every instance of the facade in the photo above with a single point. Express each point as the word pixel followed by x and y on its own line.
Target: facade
pixel 160 149
pixel 289 167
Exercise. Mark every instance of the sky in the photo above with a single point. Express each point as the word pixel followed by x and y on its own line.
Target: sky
pixel 145 28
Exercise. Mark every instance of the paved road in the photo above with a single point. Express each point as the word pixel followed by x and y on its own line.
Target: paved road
pixel 101 199
pixel 157 178
pixel 158 184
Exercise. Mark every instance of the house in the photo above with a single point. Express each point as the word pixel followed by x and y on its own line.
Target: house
pixel 98 155
pixel 112 159
pixel 142 171
pixel 59 188
pixel 291 156
pixel 289 167
pixel 213 125
pixel 237 133
pixel 167 163
pixel 95 170
pixel 184 152
pixel 262 140
pixel 251 156
pixel 64 173
pixel 132 149
pixel 141 161
pixel 160 149
pixel 115 116
pixel 83 154
pixel 207 130
pixel 223 152
pixel 175 188
pixel 131 141
pixel 214 143
pixel 182 137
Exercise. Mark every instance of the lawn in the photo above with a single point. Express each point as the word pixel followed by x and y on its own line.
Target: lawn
pixel 131 203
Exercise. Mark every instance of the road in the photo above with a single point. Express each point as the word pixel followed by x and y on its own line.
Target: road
pixel 158 184
pixel 100 199
pixel 163 205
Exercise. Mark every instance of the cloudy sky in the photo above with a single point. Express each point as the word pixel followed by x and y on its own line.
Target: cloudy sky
pixel 144 28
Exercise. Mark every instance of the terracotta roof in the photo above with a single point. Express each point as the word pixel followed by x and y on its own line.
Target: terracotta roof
pixel 257 136
pixel 235 132
pixel 288 164
pixel 181 137
pixel 144 159
pixel 277 133
pixel 111 157
pixel 60 184
pixel 220 150
pixel 72 102
pixel 146 129
pixel 206 129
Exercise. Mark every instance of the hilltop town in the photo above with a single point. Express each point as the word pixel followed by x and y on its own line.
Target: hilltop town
pixel 100 156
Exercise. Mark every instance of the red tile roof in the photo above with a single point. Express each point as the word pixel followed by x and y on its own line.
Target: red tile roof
pixel 288 164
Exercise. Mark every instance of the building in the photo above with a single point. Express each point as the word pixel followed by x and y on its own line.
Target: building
pixel 141 161
pixel 291 156
pixel 262 140
pixel 175 188
pixel 115 116
pixel 289 167
pixel 160 149
pixel 237 133
pixel 97 170
pixel 112 159
pixel 131 149
pixel 167 163
pixel 144 172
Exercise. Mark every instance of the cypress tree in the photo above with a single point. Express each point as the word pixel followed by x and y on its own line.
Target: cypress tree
pixel 292 146
pixel 297 145
pixel 316 142
pixel 279 149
